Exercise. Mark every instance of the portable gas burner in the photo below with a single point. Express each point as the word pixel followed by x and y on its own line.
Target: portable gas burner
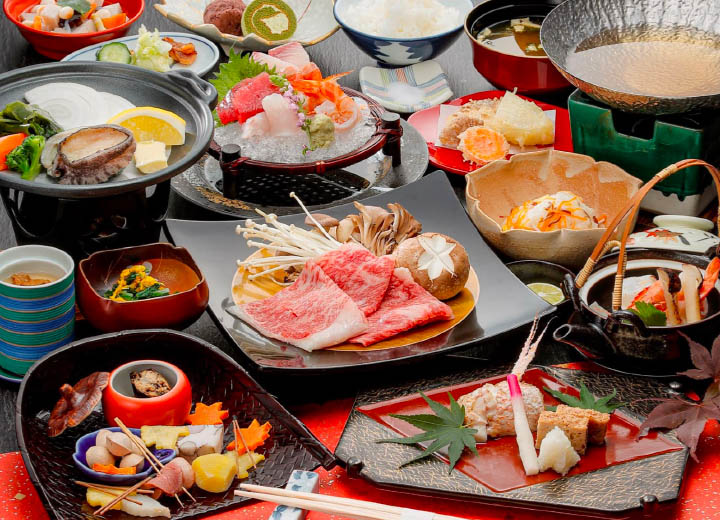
pixel 644 144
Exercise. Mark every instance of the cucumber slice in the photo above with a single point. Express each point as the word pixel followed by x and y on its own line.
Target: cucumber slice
pixel 115 52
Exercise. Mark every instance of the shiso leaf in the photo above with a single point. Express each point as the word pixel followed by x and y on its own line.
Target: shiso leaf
pixel 238 67
pixel 444 429
pixel 81 6
pixel 587 401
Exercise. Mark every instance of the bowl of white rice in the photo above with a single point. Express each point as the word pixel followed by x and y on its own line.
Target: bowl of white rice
pixel 402 32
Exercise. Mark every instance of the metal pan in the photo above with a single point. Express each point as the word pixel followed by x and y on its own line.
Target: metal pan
pixel 181 92
pixel 575 21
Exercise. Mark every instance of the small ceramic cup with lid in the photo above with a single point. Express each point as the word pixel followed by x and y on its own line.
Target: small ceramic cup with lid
pixel 37 304
pixel 170 409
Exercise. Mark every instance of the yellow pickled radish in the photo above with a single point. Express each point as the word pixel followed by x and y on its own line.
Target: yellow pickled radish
pixel 214 472
pixel 152 124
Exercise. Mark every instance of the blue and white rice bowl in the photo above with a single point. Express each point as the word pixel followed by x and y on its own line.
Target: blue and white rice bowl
pixel 35 320
pixel 401 51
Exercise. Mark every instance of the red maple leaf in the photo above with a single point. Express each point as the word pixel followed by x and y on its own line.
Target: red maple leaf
pixel 685 416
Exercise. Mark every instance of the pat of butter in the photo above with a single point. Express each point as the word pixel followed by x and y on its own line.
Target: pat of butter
pixel 150 156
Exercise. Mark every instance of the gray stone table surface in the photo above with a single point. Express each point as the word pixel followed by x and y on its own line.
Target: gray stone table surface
pixel 336 54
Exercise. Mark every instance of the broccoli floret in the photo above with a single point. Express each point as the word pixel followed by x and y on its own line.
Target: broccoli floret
pixel 25 158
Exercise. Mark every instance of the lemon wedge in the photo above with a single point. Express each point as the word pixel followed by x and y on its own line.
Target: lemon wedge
pixel 152 124
pixel 548 292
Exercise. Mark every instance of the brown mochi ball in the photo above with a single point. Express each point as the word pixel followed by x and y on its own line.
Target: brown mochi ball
pixel 428 257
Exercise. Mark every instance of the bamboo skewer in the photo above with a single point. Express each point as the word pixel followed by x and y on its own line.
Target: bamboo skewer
pixel 352 508
pixel 150 456
pixel 121 497
pixel 238 433
pixel 112 488
pixel 108 491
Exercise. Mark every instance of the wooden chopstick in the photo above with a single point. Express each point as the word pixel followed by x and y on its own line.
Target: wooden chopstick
pixel 358 509
pixel 238 433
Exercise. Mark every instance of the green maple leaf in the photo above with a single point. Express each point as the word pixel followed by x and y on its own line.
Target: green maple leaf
pixel 587 401
pixel 444 429
pixel 651 315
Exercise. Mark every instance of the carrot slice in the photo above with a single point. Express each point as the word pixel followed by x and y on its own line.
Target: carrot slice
pixel 254 436
pixel 86 16
pixel 114 21
pixel 205 414
pixel 7 145
pixel 114 470
pixel 481 145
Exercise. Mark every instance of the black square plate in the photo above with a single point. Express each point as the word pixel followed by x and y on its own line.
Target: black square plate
pixel 505 303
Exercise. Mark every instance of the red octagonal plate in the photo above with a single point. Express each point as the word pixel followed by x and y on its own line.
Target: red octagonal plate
pixel 426 122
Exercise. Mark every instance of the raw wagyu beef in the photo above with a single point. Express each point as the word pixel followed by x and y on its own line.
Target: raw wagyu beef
pixel 362 275
pixel 312 313
pixel 406 305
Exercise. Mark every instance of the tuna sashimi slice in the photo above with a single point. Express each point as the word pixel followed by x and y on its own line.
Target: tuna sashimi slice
pixel 312 313
pixel 244 100
pixel 406 305
pixel 292 52
pixel 280 66
pixel 362 275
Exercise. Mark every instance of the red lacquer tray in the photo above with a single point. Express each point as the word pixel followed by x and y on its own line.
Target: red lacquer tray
pixel 426 122
pixel 499 467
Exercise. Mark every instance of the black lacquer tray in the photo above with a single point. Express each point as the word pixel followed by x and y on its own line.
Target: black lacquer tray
pixel 632 489
pixel 214 377
pixel 504 303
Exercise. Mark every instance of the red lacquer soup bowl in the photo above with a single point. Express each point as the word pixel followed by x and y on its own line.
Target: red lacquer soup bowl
pixel 58 45
pixel 529 74
pixel 171 265
pixel 171 409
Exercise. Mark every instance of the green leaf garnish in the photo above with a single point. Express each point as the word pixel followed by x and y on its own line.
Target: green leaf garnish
pixel 237 68
pixel 587 401
pixel 651 315
pixel 81 6
pixel 445 428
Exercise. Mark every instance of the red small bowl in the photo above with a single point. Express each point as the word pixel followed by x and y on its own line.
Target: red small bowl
pixel 531 75
pixel 170 409
pixel 100 271
pixel 56 45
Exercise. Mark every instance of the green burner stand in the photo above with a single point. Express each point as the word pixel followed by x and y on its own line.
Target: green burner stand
pixel 643 145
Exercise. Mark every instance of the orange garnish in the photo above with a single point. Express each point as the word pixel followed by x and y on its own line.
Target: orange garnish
pixel 114 21
pixel 481 145
pixel 205 414
pixel 114 470
pixel 254 436
pixel 183 53
pixel 87 15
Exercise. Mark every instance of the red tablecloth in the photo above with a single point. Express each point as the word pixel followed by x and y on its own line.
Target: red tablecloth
pixel 700 499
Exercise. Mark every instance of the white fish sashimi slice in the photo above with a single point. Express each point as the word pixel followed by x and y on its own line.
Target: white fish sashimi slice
pixel 280 66
pixel 293 53
pixel 115 104
pixel 257 126
pixel 71 105
pixel 282 118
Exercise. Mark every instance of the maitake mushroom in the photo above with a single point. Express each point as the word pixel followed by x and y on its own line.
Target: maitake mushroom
pixel 77 402
pixel 374 227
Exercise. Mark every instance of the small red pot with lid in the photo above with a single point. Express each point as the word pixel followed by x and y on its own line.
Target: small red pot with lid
pixel 170 409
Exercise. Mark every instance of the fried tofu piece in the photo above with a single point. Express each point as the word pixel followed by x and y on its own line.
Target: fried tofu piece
pixel 575 428
pixel 597 422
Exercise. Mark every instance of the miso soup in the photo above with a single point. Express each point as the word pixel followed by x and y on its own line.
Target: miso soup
pixel 519 37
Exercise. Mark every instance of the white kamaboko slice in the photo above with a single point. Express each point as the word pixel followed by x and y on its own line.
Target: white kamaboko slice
pixel 523 435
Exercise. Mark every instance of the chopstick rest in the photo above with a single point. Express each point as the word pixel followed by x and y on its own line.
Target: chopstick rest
pixel 414 514
pixel 305 481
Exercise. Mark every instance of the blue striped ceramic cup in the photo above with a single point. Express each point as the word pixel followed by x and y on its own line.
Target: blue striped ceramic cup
pixel 34 319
